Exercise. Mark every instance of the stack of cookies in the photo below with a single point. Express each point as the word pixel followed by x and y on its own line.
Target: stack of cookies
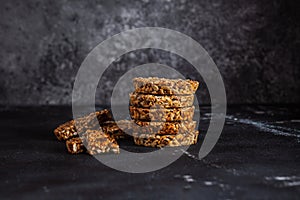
pixel 163 111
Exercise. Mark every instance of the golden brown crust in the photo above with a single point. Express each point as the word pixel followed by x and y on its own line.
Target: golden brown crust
pixel 166 101
pixel 164 128
pixel 166 140
pixel 162 86
pixel 172 114
pixel 98 142
pixel 75 145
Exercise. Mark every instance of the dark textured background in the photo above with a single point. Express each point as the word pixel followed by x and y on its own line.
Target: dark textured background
pixel 255 44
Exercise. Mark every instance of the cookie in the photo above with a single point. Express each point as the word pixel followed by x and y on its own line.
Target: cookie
pixel 163 86
pixel 170 114
pixel 155 140
pixel 165 101
pixel 164 128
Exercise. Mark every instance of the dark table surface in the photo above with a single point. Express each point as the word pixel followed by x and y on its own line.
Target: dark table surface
pixel 256 157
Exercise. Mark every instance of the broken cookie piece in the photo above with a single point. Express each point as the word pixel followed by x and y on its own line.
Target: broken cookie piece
pixel 92 121
pixel 66 131
pixel 119 129
pixel 74 127
pixel 98 142
pixel 75 145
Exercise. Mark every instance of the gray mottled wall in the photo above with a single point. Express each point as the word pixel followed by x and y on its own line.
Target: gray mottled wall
pixel 254 43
